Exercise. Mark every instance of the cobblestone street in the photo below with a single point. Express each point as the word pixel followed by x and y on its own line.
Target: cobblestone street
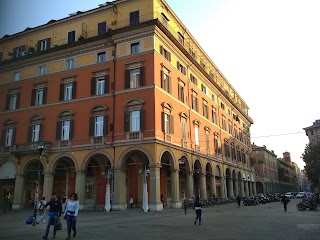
pixel 219 222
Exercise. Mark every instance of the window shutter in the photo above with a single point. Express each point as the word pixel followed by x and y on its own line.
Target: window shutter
pixel 141 119
pixel 163 122
pixel 41 132
pixel 58 130
pixel 127 79
pixel 29 138
pixel 91 126
pixel 102 28
pixel 8 102
pixel 14 53
pixel 44 95
pixel 74 89
pixel 161 49
pixel 61 95
pixel 33 97
pixel 105 124
pixel 38 46
pixel 13 136
pixel 93 86
pixel 161 78
pixel 142 73
pixel 18 100
pixel 178 65
pixel 71 130
pixel 3 136
pixel 107 83
pixel 48 43
pixel 127 121
pixel 171 124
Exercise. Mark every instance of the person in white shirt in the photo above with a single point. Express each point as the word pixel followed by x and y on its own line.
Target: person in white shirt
pixel 71 213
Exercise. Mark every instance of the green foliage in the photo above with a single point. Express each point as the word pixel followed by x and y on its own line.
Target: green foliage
pixel 311 157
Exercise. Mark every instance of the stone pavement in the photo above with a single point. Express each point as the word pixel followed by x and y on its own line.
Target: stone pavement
pixel 219 222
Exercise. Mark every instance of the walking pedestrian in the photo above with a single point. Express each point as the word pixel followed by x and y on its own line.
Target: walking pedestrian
pixel 131 201
pixel 197 208
pixel 185 202
pixel 54 215
pixel 42 210
pixel 284 200
pixel 71 213
pixel 162 200
pixel 238 200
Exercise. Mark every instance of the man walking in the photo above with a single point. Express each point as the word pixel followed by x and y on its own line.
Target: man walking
pixel 54 215
pixel 238 200
pixel 285 201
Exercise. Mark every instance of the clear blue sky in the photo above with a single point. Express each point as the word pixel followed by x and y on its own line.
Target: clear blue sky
pixel 268 50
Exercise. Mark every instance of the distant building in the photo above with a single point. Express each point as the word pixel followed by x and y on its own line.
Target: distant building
pixel 313 132
pixel 286 173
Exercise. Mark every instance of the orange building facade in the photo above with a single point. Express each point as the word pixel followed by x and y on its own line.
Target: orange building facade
pixel 121 88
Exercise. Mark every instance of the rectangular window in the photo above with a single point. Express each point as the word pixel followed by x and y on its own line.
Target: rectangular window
pixel 135 48
pixel 101 57
pixel 183 129
pixel 100 86
pixel 203 88
pixel 195 101
pixel 43 44
pixel 135 121
pixel 102 28
pixel 181 87
pixel 19 51
pixel 193 79
pixel 65 130
pixel 71 37
pixel 16 76
pixel 180 38
pixel 9 137
pixel 39 96
pixel 214 116
pixel 166 123
pixel 224 124
pixel 35 133
pixel 205 109
pixel 68 91
pixel 70 64
pixel 181 68
pixel 42 70
pixel 134 18
pixel 212 97
pixel 166 82
pixel 135 78
pixel 196 135
pixel 13 101
pixel 98 129
pixel 217 146
pixel 230 127
pixel 207 141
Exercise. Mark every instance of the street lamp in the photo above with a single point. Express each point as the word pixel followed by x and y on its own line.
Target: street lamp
pixel 41 145
pixel 145 206
pixel 107 205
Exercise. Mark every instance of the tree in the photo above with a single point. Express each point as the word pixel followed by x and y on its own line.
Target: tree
pixel 311 157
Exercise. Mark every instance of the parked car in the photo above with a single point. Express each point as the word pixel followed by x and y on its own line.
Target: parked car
pixel 301 195
pixel 289 195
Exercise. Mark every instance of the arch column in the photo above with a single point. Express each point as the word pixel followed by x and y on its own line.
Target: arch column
pixel 242 188
pixel 213 186
pixel 223 187
pixel 250 188
pixel 203 189
pixel 254 188
pixel 155 203
pixel 119 191
pixel 80 187
pixel 189 184
pixel 247 189
pixel 175 194
pixel 48 185
pixel 18 192
pixel 236 187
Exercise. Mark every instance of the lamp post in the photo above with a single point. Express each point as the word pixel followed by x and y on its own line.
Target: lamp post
pixel 107 205
pixel 41 145
pixel 145 206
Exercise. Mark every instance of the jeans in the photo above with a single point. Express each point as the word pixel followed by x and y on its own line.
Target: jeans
pixel 198 212
pixel 52 218
pixel 71 223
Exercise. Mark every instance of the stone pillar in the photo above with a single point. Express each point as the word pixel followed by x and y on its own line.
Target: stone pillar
pixel 247 189
pixel 175 194
pixel 231 188
pixel 254 188
pixel 189 185
pixel 81 187
pixel 213 186
pixel 18 192
pixel 223 187
pixel 242 188
pixel 236 187
pixel 203 189
pixel 250 187
pixel 120 187
pixel 155 203
pixel 48 185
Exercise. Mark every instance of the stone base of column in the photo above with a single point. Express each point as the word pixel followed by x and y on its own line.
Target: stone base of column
pixel 17 206
pixel 176 205
pixel 156 207
pixel 119 206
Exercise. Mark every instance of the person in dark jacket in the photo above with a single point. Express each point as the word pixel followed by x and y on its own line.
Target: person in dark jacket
pixel 238 200
pixel 285 201
pixel 54 215
pixel 197 208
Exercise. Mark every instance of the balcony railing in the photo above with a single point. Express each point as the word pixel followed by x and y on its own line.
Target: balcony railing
pixel 134 136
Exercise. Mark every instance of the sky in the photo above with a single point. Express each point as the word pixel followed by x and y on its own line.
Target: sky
pixel 268 50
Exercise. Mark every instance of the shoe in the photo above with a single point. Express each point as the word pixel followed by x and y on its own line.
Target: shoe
pixel 74 234
pixel 54 236
pixel 44 237
pixel 195 222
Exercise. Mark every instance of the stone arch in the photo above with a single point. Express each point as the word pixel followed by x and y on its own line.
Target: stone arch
pixel 217 171
pixel 8 169
pixel 172 161
pixel 26 162
pixel 197 165
pixel 187 161
pixel 54 162
pixel 124 153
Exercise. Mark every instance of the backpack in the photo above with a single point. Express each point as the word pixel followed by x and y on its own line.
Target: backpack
pixel 29 220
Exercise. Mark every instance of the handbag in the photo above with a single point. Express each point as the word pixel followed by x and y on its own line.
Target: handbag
pixel 59 225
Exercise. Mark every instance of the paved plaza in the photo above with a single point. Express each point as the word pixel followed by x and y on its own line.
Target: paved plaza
pixel 219 222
